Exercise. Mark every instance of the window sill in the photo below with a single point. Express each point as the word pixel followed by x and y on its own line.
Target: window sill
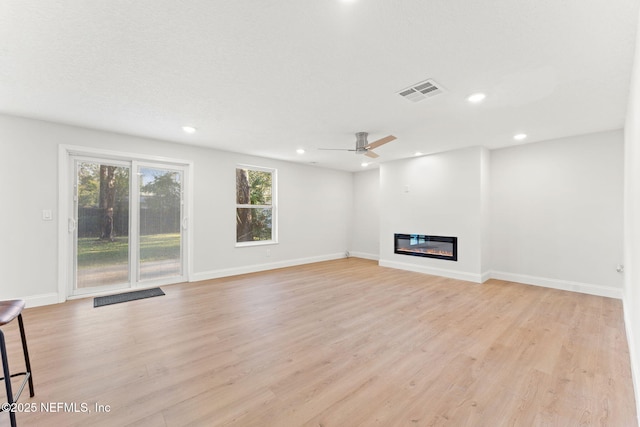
pixel 256 243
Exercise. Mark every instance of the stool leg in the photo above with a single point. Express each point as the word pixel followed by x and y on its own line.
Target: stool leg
pixel 26 354
pixel 7 379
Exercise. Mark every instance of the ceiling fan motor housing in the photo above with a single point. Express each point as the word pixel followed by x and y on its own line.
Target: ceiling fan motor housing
pixel 361 142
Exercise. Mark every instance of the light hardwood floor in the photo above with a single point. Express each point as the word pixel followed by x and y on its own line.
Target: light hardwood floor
pixel 338 343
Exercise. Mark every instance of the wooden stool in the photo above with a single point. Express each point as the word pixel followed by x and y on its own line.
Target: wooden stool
pixel 9 310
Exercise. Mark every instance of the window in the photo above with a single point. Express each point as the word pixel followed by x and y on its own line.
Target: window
pixel 255 205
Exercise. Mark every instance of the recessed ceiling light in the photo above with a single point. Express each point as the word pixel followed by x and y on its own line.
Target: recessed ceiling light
pixel 519 136
pixel 476 97
pixel 417 153
pixel 364 164
pixel 300 151
pixel 189 129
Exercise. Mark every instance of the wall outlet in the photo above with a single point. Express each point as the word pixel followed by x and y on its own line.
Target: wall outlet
pixel 268 252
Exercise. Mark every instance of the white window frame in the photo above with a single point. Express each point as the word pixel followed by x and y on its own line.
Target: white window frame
pixel 273 206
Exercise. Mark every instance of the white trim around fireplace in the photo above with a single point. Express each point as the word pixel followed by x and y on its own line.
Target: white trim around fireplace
pixel 470 277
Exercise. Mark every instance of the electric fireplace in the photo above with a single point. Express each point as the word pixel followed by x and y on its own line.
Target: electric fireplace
pixel 426 246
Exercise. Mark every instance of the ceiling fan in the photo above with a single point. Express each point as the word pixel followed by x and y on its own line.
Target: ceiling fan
pixel 364 147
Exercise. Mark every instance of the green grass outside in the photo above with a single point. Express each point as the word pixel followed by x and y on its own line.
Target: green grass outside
pixel 93 252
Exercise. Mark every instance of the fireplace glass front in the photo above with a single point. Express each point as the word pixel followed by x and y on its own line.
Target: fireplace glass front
pixel 426 246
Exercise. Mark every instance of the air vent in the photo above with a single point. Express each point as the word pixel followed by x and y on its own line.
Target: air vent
pixel 422 90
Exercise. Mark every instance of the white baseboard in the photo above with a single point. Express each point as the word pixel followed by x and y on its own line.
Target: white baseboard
pixel 485 276
pixel 43 299
pixel 53 298
pixel 364 255
pixel 226 272
pixel 633 356
pixel 460 275
pixel 564 285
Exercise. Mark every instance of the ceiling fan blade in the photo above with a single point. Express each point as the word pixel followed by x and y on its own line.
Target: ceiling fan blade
pixel 381 141
pixel 335 149
pixel 371 154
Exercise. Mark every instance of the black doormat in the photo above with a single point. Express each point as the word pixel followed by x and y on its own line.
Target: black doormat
pixel 127 296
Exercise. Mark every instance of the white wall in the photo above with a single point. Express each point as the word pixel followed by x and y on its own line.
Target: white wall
pixel 557 214
pixel 313 204
pixel 28 248
pixel 631 297
pixel 365 229
pixel 502 204
pixel 441 195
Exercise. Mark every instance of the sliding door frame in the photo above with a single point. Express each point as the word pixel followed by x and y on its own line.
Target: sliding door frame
pixel 66 172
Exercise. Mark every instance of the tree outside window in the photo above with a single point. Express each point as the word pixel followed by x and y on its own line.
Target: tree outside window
pixel 254 204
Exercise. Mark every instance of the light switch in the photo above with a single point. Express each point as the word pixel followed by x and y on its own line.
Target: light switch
pixel 46 215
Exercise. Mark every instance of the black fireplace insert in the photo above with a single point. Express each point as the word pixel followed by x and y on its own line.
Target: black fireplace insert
pixel 426 246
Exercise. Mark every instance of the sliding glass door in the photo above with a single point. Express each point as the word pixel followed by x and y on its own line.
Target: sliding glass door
pixel 101 204
pixel 160 207
pixel 128 224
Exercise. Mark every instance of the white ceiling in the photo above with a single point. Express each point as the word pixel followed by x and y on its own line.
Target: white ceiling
pixel 266 77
